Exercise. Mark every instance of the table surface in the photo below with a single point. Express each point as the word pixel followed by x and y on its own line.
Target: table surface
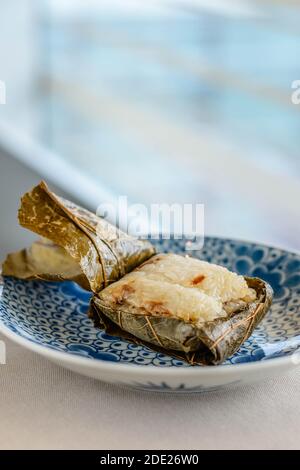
pixel 44 406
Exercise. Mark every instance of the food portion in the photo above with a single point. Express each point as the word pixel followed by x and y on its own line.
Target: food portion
pixel 211 279
pixel 182 287
pixel 44 260
pixel 102 252
pixel 188 308
pixel 194 310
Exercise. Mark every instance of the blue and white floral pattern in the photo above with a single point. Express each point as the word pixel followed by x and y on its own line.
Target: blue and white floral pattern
pixel 54 314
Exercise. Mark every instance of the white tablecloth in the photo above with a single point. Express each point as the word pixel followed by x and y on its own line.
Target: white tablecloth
pixel 43 406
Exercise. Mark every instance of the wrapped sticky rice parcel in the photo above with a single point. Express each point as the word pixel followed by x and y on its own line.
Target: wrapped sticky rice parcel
pixel 185 307
pixel 84 247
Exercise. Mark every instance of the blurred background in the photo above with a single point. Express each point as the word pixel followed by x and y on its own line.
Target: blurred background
pixel 162 101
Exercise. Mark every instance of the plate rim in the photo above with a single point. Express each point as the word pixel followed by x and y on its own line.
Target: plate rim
pixel 141 369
